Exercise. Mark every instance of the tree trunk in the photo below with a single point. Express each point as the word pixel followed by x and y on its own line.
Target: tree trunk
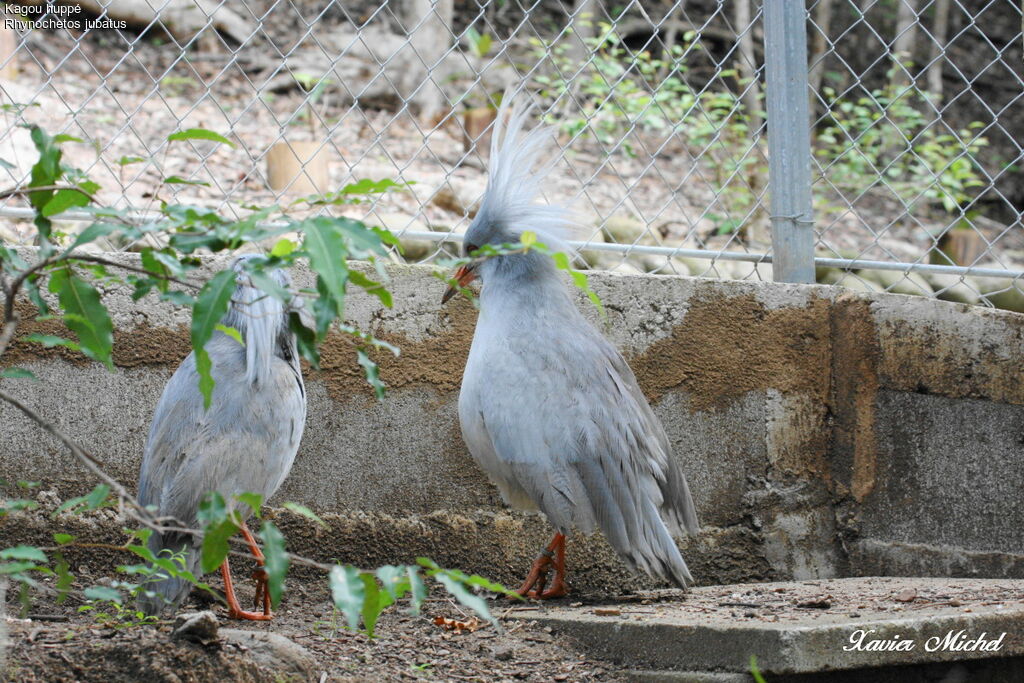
pixel 673 19
pixel 819 47
pixel 583 25
pixel 940 33
pixel 429 25
pixel 903 44
pixel 747 63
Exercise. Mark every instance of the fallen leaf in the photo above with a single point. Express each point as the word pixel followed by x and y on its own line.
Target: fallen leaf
pixel 906 595
pixel 456 626
pixel 821 602
pixel 607 611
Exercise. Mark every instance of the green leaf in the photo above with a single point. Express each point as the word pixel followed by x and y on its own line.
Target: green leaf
pixel 63 200
pixel 218 526
pixel 326 248
pixel 64 578
pixel 755 672
pixel 210 306
pixel 375 602
pixel 348 593
pixel 173 566
pixel 92 501
pixel 17 373
pixel 362 242
pixel 177 297
pixel 231 332
pixel 62 539
pixel 178 180
pixel 47 169
pixel 23 552
pixel 283 247
pixel 275 561
pixel 49 341
pixel 204 369
pixel 395 580
pixel 253 500
pixel 92 233
pixel 305 512
pixel 268 285
pixel 199 134
pixel 9 568
pixel 368 186
pixel 32 288
pixel 372 373
pixel 417 588
pixel 11 505
pixel 305 339
pixel 128 160
pixel 325 309
pixel 464 596
pixel 483 46
pixel 104 593
pixel 215 545
pixel 84 314
pixel 372 287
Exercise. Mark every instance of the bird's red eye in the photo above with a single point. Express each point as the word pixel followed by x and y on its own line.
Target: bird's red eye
pixel 470 248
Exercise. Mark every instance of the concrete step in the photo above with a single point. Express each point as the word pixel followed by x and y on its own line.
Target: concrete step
pixel 801 627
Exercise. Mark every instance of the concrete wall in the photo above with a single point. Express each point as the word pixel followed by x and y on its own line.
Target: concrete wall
pixel 822 432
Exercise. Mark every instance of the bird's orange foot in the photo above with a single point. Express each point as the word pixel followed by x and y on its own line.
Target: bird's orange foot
pixel 262 599
pixel 534 585
pixel 235 610
pixel 248 616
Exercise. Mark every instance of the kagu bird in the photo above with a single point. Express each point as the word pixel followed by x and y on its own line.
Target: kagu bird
pixel 548 407
pixel 245 442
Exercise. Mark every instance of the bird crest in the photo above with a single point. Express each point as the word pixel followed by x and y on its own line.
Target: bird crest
pixel 259 318
pixel 521 160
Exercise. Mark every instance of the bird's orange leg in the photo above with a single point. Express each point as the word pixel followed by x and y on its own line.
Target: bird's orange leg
pixel 552 555
pixel 260 575
pixel 558 587
pixel 235 610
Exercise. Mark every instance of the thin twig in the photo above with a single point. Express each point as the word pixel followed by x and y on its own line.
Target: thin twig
pixel 74 256
pixel 4 194
pixel 86 458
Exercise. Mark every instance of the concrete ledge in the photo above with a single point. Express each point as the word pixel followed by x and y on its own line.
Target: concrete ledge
pixel 801 415
pixel 805 627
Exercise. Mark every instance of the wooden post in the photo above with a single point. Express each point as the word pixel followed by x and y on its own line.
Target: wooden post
pixel 298 168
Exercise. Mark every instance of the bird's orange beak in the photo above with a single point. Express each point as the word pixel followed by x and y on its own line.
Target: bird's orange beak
pixel 464 275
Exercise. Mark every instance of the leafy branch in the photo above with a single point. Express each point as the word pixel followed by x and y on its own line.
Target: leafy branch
pixel 76 283
pixel 527 243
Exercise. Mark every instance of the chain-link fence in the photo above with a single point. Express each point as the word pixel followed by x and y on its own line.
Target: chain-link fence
pixel 660 107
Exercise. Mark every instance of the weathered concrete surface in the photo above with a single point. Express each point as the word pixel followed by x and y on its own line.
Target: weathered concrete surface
pixel 804 627
pixel 813 426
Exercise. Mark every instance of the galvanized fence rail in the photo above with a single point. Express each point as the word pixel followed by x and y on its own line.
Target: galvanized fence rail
pixel 872 144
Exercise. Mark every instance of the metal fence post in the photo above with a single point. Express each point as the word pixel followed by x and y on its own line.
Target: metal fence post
pixel 789 140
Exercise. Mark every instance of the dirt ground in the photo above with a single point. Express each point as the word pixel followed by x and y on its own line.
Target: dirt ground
pixel 57 643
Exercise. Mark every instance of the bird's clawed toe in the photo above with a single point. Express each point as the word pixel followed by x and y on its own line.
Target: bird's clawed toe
pixel 551 557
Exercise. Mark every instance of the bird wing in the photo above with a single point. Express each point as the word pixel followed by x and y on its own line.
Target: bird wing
pixel 246 441
pixel 568 425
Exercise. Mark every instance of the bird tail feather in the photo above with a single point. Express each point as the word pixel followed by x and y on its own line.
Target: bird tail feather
pixel 162 591
pixel 634 527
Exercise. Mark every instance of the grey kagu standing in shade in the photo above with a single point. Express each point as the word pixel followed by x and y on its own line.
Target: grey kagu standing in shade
pixel 245 442
pixel 549 408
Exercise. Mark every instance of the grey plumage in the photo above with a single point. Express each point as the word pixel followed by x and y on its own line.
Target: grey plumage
pixel 246 441
pixel 548 407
